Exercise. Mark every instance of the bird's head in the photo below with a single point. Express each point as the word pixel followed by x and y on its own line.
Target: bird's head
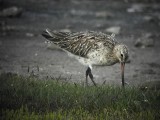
pixel 121 52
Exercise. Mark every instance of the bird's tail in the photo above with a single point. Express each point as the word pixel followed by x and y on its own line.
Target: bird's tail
pixel 54 36
pixel 47 34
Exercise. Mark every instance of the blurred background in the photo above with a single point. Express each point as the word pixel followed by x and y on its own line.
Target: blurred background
pixel 24 51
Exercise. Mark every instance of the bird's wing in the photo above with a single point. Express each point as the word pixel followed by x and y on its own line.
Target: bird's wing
pixel 79 43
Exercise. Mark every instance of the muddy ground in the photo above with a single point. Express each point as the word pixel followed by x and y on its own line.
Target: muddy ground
pixel 23 50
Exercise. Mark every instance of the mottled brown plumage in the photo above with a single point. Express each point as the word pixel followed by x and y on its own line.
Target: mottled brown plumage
pixel 79 43
pixel 90 48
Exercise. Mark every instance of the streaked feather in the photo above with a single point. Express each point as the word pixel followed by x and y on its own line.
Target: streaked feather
pixel 80 43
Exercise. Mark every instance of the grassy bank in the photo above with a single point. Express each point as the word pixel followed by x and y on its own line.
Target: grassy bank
pixel 31 98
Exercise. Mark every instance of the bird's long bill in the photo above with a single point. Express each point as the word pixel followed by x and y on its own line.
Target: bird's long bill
pixel 122 73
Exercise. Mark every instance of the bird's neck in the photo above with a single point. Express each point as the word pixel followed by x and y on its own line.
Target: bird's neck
pixel 116 50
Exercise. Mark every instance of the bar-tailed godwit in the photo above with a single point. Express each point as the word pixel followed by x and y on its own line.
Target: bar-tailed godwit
pixel 90 48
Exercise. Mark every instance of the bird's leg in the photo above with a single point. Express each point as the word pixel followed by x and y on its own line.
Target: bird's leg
pixel 91 76
pixel 88 72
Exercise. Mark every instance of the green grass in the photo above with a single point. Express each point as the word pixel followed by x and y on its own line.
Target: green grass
pixel 32 98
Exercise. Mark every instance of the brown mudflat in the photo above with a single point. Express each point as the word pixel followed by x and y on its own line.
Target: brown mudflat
pixel 23 49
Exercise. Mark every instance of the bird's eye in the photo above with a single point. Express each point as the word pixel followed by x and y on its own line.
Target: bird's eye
pixel 122 55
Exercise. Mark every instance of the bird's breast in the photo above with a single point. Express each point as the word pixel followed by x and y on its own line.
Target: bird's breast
pixel 102 57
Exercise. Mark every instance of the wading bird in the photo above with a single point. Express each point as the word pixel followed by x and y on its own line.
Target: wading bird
pixel 90 48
